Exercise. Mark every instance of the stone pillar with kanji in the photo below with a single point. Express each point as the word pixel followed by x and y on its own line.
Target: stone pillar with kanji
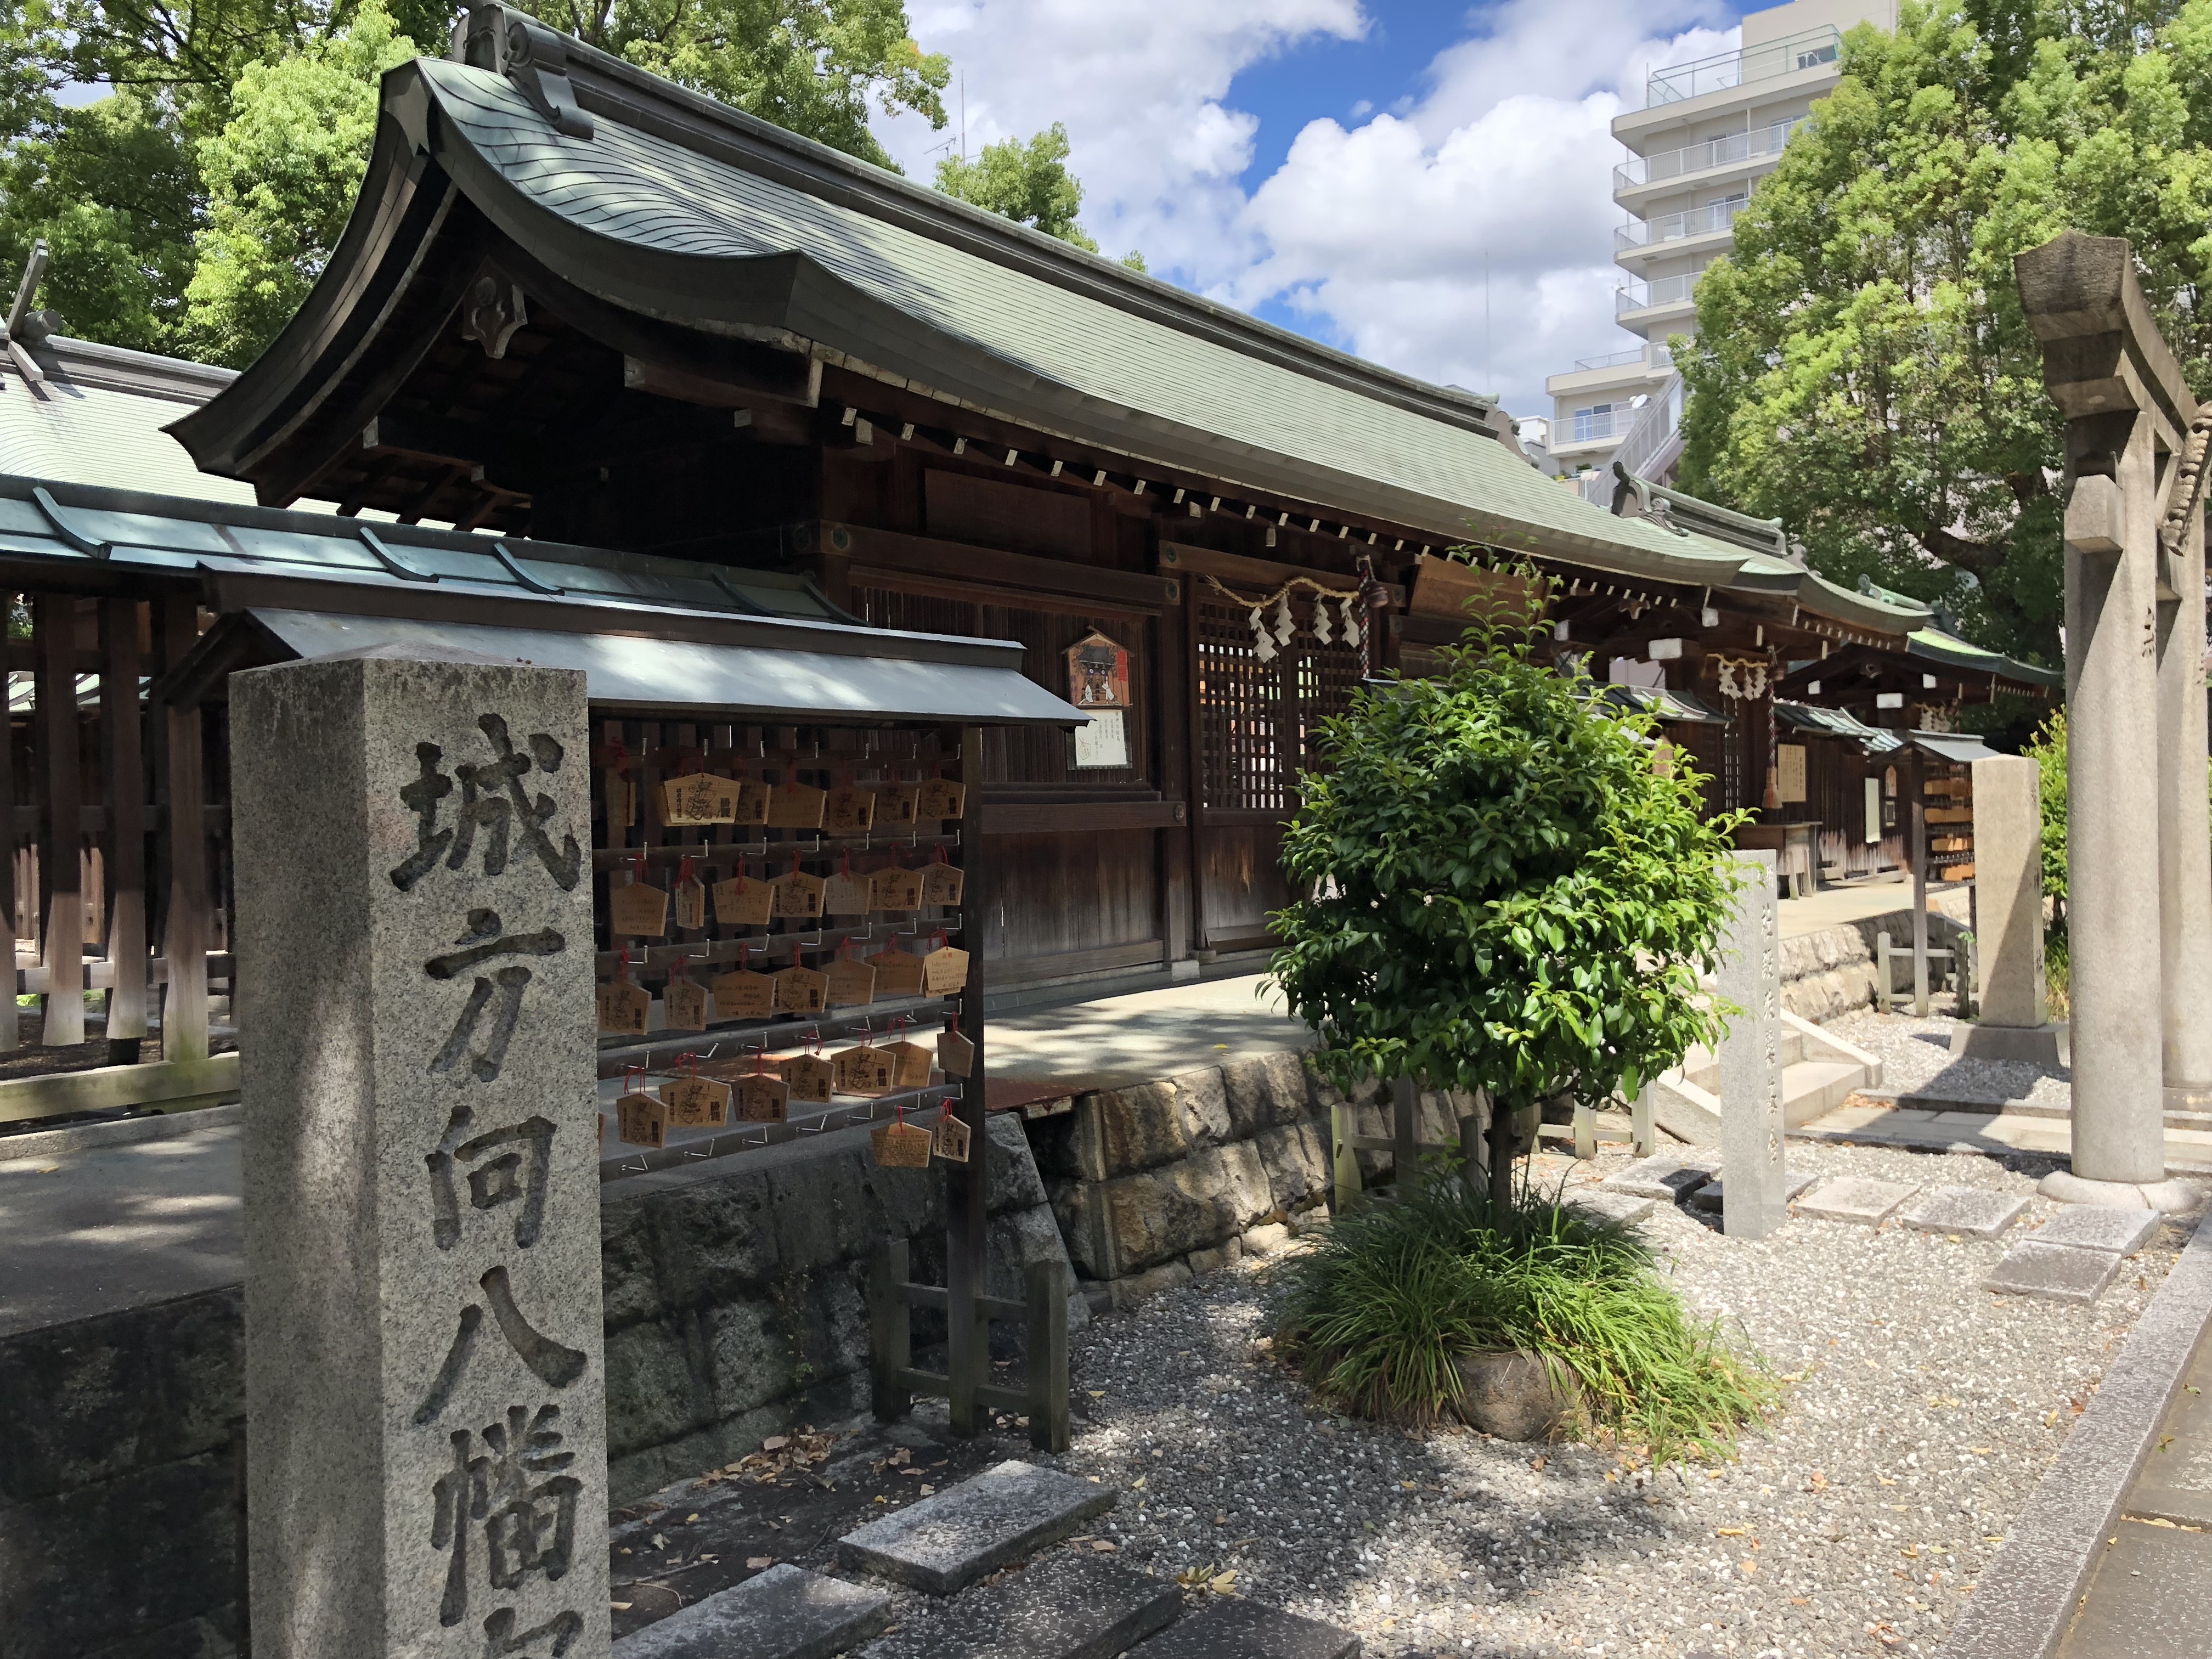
pixel 425 1402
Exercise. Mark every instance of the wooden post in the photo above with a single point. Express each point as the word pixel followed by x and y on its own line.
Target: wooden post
pixel 1470 1151
pixel 1047 1290
pixel 967 1186
pixel 1343 1157
pixel 185 921
pixel 123 752
pixel 1585 1130
pixel 1644 1131
pixel 54 625
pixel 1405 1134
pixel 1915 775
pixel 10 851
pixel 890 1329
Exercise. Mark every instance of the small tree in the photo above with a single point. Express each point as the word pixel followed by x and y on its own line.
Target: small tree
pixel 1509 886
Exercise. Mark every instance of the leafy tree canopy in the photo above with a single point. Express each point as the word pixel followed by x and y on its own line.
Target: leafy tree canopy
pixel 1027 183
pixel 190 209
pixel 1863 370
pixel 1509 888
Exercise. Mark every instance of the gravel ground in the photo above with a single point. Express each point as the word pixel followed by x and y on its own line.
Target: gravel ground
pixel 1917 1060
pixel 1920 1412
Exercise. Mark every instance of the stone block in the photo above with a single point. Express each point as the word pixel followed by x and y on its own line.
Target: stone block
pixel 2092 1227
pixel 2009 892
pixel 1234 1628
pixel 1138 1128
pixel 1188 1206
pixel 1083 1216
pixel 1664 1176
pixel 2056 1272
pixel 1970 1211
pixel 2148 1596
pixel 1625 1208
pixel 715 1241
pixel 1266 1238
pixel 658 1375
pixel 1851 1198
pixel 1295 1158
pixel 630 1286
pixel 1265 1091
pixel 421 1187
pixel 816 1206
pixel 1071 1605
pixel 1014 1241
pixel 943 1543
pixel 1201 1262
pixel 786 1612
pixel 1713 1196
pixel 1515 1395
pixel 1202 1097
pixel 1016 1184
pixel 1138 1287
pixel 2033 1045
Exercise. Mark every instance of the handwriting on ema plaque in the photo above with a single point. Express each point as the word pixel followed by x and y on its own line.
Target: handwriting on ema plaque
pixel 514 1500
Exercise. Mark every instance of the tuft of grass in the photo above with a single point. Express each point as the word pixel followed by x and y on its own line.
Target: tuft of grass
pixel 1380 1314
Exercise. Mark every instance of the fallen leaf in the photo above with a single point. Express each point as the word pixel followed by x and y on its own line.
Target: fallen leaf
pixel 1223 1584
pixel 928 1491
pixel 1537 1463
pixel 1097 1393
pixel 1104 1546
pixel 658 1542
pixel 1220 1520
pixel 1981 1451
pixel 619 1606
pixel 1137 1484
pixel 777 1442
pixel 759 1563
pixel 689 1519
pixel 1734 1532
pixel 1748 1567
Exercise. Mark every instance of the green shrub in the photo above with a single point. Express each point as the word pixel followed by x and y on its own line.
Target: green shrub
pixel 1381 1312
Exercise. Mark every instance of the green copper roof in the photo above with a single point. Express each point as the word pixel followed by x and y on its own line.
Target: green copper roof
pixel 1935 645
pixel 699 219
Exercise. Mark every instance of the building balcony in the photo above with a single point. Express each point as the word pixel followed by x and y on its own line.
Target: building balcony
pixel 1719 219
pixel 1735 149
pixel 1724 71
pixel 1663 294
pixel 1613 360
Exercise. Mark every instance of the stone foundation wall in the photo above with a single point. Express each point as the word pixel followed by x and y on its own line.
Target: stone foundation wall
pixel 735 1308
pixel 1156 1183
pixel 1827 974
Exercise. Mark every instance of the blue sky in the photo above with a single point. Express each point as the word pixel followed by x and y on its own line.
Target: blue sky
pixel 1342 167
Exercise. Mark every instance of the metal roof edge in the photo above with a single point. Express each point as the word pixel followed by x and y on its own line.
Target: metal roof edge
pixel 90 364
pixel 1827 599
pixel 1937 646
pixel 609 87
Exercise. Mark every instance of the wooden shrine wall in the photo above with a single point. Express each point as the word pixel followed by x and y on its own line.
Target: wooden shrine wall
pixel 116 817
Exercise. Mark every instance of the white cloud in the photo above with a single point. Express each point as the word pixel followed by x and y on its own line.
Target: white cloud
pixel 1374 236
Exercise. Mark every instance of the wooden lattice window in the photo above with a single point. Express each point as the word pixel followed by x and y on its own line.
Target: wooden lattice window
pixel 1258 722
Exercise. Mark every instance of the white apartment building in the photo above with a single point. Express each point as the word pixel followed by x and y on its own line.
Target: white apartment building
pixel 1707 133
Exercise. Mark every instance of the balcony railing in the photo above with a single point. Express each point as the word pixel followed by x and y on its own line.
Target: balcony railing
pixel 1617 359
pixel 1677 82
pixel 1703 158
pixel 1595 426
pixel 1644 296
pixel 1673 226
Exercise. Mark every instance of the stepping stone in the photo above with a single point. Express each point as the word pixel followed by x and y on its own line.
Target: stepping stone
pixel 1237 1629
pixel 2093 1227
pixel 1623 1207
pixel 1970 1211
pixel 2057 1272
pixel 943 1543
pixel 1662 1176
pixel 786 1612
pixel 1854 1198
pixel 1073 1605
pixel 1710 1196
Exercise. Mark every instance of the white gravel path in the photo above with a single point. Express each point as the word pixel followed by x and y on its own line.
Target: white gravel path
pixel 1917 1060
pixel 1919 1413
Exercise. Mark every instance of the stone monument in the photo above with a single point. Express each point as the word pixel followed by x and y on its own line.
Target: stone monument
pixel 2139 903
pixel 1754 1185
pixel 426 1425
pixel 2014 1018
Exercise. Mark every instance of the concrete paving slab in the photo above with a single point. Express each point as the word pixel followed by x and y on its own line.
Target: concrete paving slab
pixel 2146 1599
pixel 1073 1605
pixel 91 1231
pixel 945 1542
pixel 1853 1197
pixel 1237 1629
pixel 2056 1272
pixel 1665 1177
pixel 1712 1194
pixel 786 1612
pixel 2092 1227
pixel 2176 1482
pixel 1970 1211
pixel 1117 1042
pixel 1623 1207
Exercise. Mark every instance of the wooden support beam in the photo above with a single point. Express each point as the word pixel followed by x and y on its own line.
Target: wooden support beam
pixel 967 1186
pixel 187 921
pixel 124 759
pixel 53 626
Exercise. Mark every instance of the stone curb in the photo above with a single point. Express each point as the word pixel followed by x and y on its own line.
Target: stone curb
pixel 118 1132
pixel 2027 1598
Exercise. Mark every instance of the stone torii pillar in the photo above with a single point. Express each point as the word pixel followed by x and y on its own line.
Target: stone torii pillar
pixel 2139 905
